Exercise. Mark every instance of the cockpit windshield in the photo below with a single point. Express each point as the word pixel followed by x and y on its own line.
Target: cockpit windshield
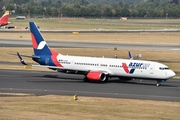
pixel 163 68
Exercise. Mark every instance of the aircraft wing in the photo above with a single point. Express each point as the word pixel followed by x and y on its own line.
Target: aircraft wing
pixel 59 68
pixel 20 56
pixel 47 66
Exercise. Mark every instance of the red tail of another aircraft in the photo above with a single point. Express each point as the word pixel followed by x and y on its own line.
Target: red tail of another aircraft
pixel 4 19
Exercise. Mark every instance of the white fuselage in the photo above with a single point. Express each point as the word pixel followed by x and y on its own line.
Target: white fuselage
pixel 117 67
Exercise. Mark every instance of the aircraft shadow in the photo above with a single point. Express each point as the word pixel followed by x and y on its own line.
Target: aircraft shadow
pixel 56 78
pixel 59 77
pixel 66 79
pixel 139 83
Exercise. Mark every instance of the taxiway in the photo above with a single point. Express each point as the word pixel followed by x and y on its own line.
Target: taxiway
pixel 42 83
pixel 77 44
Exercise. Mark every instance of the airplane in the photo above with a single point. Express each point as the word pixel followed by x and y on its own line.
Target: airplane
pixel 94 68
pixel 4 19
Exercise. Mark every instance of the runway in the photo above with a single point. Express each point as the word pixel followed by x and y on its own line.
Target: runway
pixel 42 83
pixel 78 44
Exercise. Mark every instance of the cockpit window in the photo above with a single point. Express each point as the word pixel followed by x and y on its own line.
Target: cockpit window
pixel 163 68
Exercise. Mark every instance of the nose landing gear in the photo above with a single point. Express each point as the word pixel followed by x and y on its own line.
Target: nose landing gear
pixel 159 82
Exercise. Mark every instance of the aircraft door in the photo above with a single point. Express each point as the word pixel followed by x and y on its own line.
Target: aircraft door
pixel 72 63
pixel 47 61
pixel 151 70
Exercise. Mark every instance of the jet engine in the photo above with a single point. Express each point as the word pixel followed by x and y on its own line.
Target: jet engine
pixel 96 76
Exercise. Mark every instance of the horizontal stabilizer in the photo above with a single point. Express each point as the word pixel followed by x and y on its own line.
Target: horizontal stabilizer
pixel 33 56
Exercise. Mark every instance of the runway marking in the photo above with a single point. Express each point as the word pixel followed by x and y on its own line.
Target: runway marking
pixel 175 49
pixel 9 75
pixel 15 94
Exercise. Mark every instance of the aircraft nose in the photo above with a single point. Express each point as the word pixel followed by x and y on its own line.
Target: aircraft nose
pixel 172 73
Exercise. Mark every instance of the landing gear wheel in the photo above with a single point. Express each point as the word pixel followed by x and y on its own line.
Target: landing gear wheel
pixel 158 84
pixel 106 80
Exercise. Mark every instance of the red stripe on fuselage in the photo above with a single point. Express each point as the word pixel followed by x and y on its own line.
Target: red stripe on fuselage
pixel 34 43
pixel 54 58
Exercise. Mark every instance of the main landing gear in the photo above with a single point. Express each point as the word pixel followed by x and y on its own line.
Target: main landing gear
pixel 85 79
pixel 159 82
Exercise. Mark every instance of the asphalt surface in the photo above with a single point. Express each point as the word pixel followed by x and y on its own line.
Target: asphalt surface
pixel 76 44
pixel 42 83
pixel 102 30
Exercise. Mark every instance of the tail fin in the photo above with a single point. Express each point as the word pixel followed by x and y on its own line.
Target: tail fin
pixel 39 44
pixel 4 18
pixel 130 55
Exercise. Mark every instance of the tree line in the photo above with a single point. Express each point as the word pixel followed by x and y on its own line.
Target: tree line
pixel 93 8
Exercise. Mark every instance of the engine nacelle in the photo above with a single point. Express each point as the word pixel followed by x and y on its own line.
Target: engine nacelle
pixel 96 76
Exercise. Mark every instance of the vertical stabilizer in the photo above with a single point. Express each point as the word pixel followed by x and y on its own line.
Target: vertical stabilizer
pixel 39 44
pixel 4 19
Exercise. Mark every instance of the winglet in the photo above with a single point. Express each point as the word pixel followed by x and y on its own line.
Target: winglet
pixel 130 55
pixel 21 60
